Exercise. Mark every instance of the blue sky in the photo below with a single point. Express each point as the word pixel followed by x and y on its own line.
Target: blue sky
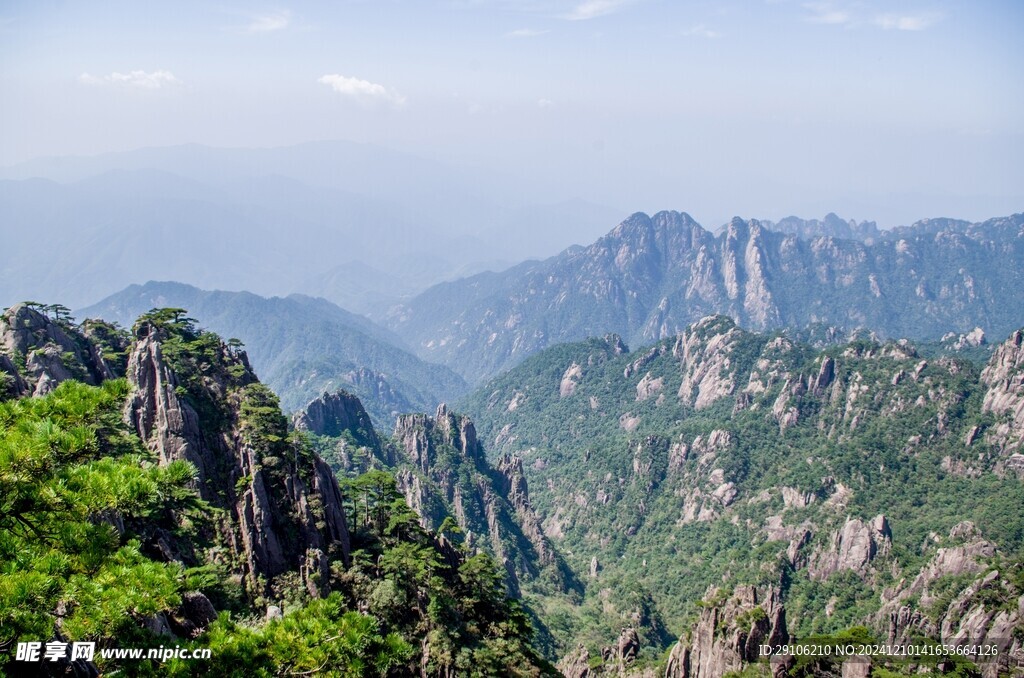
pixel 875 109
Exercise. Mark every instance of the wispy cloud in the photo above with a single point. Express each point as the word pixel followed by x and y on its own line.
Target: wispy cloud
pixel 139 79
pixel 701 31
pixel 363 91
pixel 590 9
pixel 827 13
pixel 525 33
pixel 905 22
pixel 267 23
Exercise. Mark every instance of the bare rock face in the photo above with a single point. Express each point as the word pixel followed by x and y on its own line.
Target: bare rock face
pixel 985 610
pixel 453 478
pixel 627 648
pixel 648 387
pixel 12 384
pixel 728 634
pixel 853 547
pixel 856 667
pixel 1004 377
pixel 569 380
pixel 284 509
pixel 678 665
pixel 168 424
pixel 512 485
pixel 341 416
pixel 333 414
pixel 704 352
pixel 49 352
pixel 826 375
pixel 576 664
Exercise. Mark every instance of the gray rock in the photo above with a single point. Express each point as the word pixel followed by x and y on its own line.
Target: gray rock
pixel 728 635
pixel 276 525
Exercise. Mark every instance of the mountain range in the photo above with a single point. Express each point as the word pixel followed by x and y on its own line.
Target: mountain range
pixel 302 346
pixel 653 275
pixel 728 485
pixel 663 511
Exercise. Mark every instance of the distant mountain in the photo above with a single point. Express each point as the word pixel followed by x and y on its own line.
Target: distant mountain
pixel 651 276
pixel 831 226
pixel 272 221
pixel 301 346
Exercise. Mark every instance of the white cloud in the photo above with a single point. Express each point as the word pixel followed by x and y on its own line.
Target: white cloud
pixel 826 13
pixel 905 22
pixel 590 9
pixel 525 33
pixel 140 79
pixel 268 23
pixel 545 103
pixel 701 31
pixel 363 91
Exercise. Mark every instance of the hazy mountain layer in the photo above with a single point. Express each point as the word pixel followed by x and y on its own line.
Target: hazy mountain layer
pixel 651 276
pixel 271 221
pixel 302 347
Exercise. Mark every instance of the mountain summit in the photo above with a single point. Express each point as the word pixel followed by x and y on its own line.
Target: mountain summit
pixel 652 275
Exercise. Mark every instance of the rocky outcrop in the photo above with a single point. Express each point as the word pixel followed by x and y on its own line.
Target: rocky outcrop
pixel 728 634
pixel 619 657
pixel 1004 379
pixel 335 414
pixel 852 547
pixel 512 485
pixel 831 226
pixel 704 353
pixel 453 478
pixel 283 509
pixel 960 342
pixel 376 388
pixel 984 607
pixel 39 352
pixel 567 386
pixel 341 416
pixel 12 384
pixel 576 664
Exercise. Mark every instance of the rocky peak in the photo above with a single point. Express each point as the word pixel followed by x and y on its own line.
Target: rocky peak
pixel 704 351
pixel 832 226
pixel 194 398
pixel 336 414
pixel 983 608
pixel 576 664
pixel 513 481
pixel 1004 377
pixel 421 436
pixel 513 487
pixel 491 505
pixel 728 633
pixel 39 352
pixel 853 547
pixel 639 227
